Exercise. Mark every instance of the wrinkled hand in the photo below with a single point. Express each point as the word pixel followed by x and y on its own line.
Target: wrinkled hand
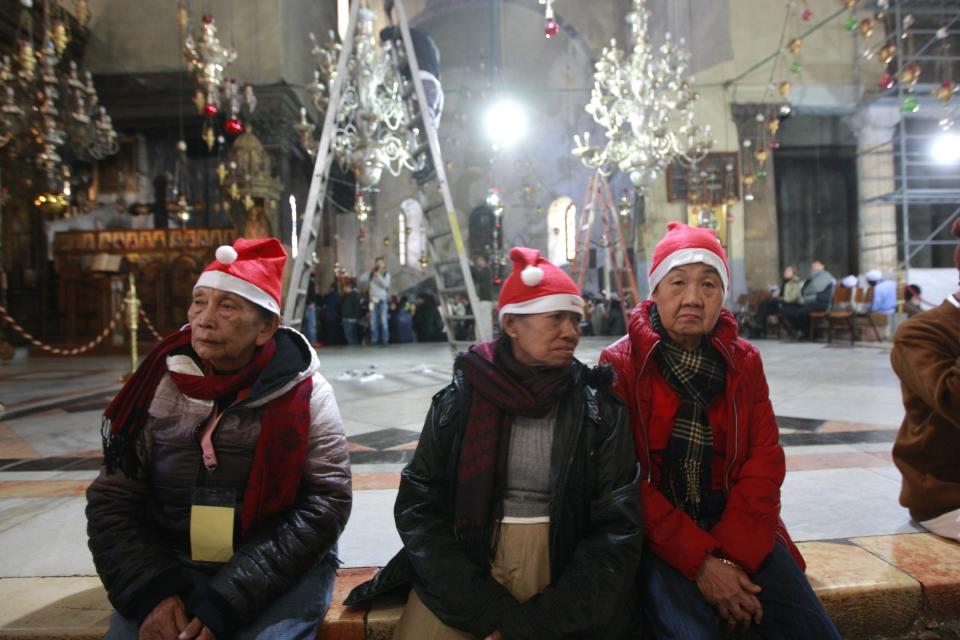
pixel 166 621
pixel 730 591
pixel 196 631
pixel 494 636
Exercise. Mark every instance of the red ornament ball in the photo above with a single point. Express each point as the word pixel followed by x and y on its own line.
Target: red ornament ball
pixel 774 145
pixel 498 281
pixel 207 19
pixel 806 15
pixel 551 28
pixel 234 127
pixel 886 81
pixel 210 110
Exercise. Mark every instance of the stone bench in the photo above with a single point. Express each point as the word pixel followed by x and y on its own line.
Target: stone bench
pixel 874 587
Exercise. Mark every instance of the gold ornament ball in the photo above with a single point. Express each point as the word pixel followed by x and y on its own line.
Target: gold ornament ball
pixel 888 53
pixel 784 88
pixel 795 45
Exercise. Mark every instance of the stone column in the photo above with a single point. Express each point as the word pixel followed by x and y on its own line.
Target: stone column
pixel 761 248
pixel 875 126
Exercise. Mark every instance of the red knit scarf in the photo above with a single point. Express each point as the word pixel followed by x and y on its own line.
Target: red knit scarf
pixel 501 389
pixel 281 448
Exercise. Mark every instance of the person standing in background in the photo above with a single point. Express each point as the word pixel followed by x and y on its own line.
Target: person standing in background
pixel 350 312
pixel 310 311
pixel 483 281
pixel 379 296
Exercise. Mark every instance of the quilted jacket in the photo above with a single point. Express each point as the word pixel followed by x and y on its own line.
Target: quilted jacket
pixel 139 530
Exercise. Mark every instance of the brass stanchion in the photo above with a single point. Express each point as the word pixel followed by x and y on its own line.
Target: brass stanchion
pixel 133 314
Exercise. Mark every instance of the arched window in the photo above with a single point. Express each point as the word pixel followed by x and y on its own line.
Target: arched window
pixel 562 231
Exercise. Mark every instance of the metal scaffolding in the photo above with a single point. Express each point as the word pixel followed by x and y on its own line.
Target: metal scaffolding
pixel 926 193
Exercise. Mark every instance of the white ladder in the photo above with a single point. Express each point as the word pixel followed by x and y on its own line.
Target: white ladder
pixel 447 257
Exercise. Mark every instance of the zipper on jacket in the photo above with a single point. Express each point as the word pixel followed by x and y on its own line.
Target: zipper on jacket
pixel 562 476
pixel 646 439
pixel 736 425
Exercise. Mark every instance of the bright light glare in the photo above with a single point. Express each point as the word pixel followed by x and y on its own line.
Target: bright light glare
pixel 505 122
pixel 946 148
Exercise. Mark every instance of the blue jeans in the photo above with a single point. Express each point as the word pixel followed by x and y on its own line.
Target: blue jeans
pixel 296 615
pixel 310 322
pixel 351 330
pixel 379 329
pixel 676 609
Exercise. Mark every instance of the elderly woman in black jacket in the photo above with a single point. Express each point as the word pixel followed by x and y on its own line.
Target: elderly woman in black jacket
pixel 520 511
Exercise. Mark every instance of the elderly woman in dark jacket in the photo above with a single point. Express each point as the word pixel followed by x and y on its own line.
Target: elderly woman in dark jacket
pixel 227 482
pixel 520 512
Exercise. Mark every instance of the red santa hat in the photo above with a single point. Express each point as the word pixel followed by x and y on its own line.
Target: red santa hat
pixel 537 286
pixel 684 244
pixel 252 269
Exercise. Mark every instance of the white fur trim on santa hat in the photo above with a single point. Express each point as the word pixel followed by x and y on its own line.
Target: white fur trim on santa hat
pixel 544 304
pixel 850 281
pixel 226 254
pixel 689 256
pixel 225 282
pixel 531 276
pixel 874 275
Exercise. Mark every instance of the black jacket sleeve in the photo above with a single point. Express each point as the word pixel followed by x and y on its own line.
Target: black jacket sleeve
pixel 600 575
pixel 135 566
pixel 459 592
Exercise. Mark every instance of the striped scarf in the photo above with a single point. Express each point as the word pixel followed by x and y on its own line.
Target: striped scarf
pixel 697 376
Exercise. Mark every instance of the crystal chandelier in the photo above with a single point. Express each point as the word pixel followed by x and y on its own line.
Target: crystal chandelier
pixel 644 100
pixel 45 105
pixel 370 115
pixel 208 59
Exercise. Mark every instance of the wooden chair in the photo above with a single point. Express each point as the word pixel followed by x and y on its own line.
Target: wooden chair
pixel 842 310
pixel 865 318
pixel 818 319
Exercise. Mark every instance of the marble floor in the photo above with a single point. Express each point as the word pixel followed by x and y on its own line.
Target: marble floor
pixel 838 408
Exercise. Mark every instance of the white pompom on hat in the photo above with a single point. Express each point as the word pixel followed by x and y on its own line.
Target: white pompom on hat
pixel 535 285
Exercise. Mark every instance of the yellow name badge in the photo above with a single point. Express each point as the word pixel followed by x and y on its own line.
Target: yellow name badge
pixel 211 533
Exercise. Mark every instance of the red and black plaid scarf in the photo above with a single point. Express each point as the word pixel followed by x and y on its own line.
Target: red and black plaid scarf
pixel 697 377
pixel 281 448
pixel 501 388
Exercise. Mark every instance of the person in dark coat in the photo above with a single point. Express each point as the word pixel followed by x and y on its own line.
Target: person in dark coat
pixel 427 323
pixel 520 511
pixel 330 324
pixel 226 481
pixel 350 310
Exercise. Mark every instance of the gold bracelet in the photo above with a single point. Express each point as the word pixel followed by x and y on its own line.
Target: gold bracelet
pixel 728 562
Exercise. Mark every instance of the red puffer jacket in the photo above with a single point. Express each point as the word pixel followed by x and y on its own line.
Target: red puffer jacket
pixel 754 464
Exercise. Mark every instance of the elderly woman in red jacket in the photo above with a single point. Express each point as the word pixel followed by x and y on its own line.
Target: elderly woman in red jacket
pixel 707 442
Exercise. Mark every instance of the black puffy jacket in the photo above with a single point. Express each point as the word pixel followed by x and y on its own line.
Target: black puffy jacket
pixel 139 529
pixel 595 525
